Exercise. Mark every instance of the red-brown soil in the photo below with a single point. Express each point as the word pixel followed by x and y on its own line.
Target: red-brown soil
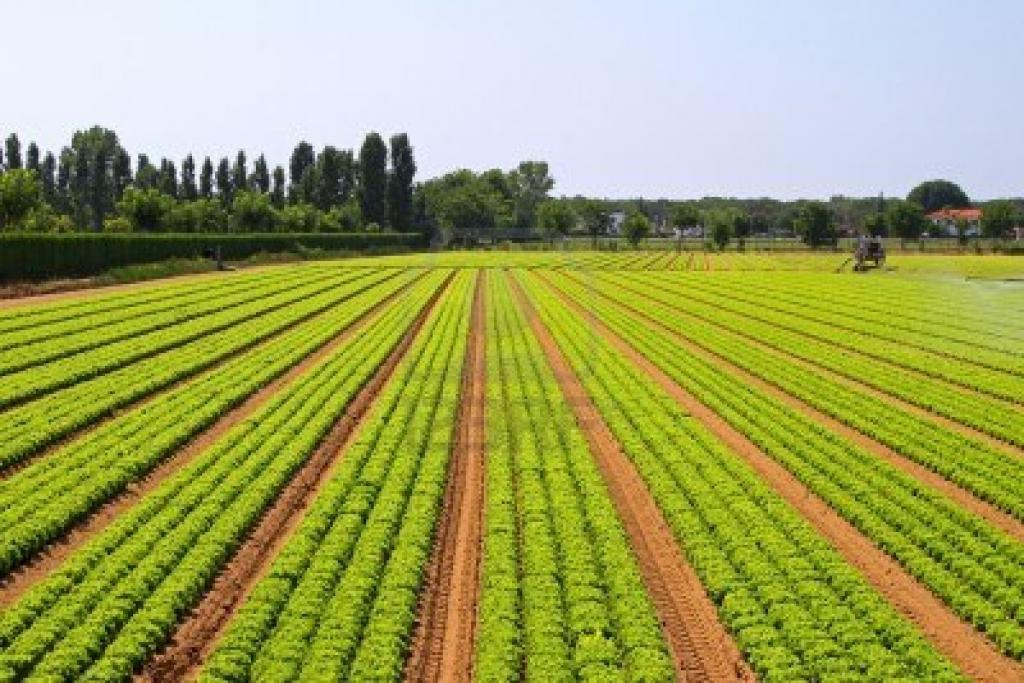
pixel 700 645
pixel 444 641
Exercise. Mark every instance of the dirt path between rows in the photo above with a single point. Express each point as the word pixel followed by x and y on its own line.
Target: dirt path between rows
pixel 196 636
pixel 701 648
pixel 962 497
pixel 14 585
pixel 957 640
pixel 895 401
pixel 443 644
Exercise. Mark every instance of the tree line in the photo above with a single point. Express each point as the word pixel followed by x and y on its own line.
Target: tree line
pixel 92 184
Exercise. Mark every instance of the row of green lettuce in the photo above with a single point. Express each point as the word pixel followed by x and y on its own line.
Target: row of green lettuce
pixel 118 599
pixel 989 473
pixel 975 568
pixel 41 501
pixel 339 601
pixel 984 413
pixel 796 609
pixel 35 380
pixel 561 598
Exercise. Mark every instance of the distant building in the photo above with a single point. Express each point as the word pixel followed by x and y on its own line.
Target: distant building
pixel 615 221
pixel 944 222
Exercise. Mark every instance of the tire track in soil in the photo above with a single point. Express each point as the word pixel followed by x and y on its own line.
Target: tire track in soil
pixel 962 497
pixel 13 586
pixel 444 641
pixel 956 639
pixel 196 636
pixel 701 647
pixel 199 374
pixel 832 375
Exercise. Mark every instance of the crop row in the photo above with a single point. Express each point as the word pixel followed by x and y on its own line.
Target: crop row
pixel 847 306
pixel 339 601
pixel 977 570
pixel 941 368
pixel 985 471
pixel 115 601
pixel 75 312
pixel 989 416
pixel 40 502
pixel 561 594
pixel 856 326
pixel 27 349
pixel 28 427
pixel 39 380
pixel 795 608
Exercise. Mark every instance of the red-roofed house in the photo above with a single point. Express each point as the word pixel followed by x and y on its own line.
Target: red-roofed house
pixel 945 221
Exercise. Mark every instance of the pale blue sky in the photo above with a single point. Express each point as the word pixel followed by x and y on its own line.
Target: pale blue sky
pixel 666 98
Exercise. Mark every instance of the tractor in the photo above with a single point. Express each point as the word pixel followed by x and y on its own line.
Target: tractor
pixel 870 253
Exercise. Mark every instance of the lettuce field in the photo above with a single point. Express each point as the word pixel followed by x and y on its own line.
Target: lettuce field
pixel 503 467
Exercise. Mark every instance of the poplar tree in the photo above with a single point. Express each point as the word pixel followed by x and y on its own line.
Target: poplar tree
pixel 373 179
pixel 189 191
pixel 206 179
pixel 403 171
pixel 260 180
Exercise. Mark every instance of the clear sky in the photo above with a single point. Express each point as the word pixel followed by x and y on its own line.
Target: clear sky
pixel 784 98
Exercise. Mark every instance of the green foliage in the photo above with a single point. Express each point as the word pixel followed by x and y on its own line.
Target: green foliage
pixel 720 225
pixel 300 217
pixel 815 224
pixel 373 179
pixel 277 194
pixel 933 195
pixel 555 218
pixel 32 256
pixel 117 224
pixel 876 225
pixel 20 193
pixel 201 215
pixel 225 185
pixel 595 217
pixel 253 212
pixel 686 215
pixel 189 190
pixel 303 157
pixel 146 210
pixel 530 184
pixel 206 179
pixel 999 218
pixel 636 227
pixel 403 171
pixel 12 146
pixel 905 219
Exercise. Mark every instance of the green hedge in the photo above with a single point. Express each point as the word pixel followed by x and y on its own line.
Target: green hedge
pixel 39 256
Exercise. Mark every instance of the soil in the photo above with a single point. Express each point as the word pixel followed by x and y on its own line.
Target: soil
pixel 957 640
pixel 196 637
pixel 701 647
pixel 14 586
pixel 444 641
pixel 965 499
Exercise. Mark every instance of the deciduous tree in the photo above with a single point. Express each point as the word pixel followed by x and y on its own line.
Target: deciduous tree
pixel 933 195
